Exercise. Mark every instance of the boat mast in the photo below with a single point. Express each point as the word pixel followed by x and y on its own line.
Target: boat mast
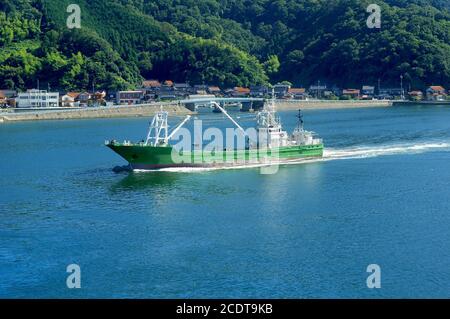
pixel 267 117
pixel 300 120
pixel 271 105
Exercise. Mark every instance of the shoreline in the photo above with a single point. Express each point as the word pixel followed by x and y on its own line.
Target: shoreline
pixel 174 109
pixel 399 103
pixel 286 105
pixel 93 113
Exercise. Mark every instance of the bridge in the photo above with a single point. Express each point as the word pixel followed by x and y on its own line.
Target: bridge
pixel 246 104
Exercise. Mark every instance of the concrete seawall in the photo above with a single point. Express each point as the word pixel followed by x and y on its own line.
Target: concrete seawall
pixel 325 104
pixel 88 113
pixel 172 108
pixel 400 103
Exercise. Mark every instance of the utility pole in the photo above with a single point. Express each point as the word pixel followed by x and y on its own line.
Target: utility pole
pixel 318 89
pixel 401 86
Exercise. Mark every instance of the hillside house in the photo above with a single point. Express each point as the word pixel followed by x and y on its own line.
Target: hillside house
pixel 151 89
pixel 317 91
pixel 215 90
pixel 297 93
pixel 281 90
pixel 239 91
pixel 70 99
pixel 352 93
pixel 83 99
pixel 182 89
pixel 390 94
pixel 436 93
pixel 415 95
pixel 367 92
pixel 259 91
pixel 3 100
pixel 129 97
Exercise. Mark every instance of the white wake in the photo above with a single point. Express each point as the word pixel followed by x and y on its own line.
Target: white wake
pixel 375 151
pixel 329 155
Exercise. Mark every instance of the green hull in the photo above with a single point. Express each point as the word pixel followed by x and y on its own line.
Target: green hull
pixel 143 157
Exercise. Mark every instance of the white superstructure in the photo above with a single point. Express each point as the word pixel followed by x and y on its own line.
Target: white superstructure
pixel 272 135
pixel 37 99
pixel 270 130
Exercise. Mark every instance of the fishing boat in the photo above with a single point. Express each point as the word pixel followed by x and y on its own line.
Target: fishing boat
pixel 270 145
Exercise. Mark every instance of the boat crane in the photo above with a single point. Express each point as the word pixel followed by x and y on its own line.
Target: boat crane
pixel 160 129
pixel 229 117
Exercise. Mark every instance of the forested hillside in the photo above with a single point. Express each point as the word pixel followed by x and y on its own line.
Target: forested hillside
pixel 223 42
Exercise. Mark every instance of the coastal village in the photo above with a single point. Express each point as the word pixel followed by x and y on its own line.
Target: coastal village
pixel 161 91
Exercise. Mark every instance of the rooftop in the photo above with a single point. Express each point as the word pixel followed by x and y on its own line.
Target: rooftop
pixel 240 89
pixel 151 83
pixel 130 92
pixel 297 90
pixel 351 91
pixel 181 85
pixel 437 88
pixel 73 94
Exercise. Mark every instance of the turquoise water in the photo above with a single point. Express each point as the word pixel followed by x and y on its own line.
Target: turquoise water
pixel 381 195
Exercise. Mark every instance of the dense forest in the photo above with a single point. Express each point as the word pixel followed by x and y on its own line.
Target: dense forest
pixel 223 42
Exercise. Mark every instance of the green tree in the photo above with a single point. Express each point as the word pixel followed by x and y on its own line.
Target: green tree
pixel 272 65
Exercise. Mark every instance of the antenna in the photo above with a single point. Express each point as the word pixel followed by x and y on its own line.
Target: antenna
pixel 271 105
pixel 300 120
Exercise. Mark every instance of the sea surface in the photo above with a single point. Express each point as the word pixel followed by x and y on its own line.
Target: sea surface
pixel 381 195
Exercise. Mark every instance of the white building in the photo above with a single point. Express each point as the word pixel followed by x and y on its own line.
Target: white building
pixel 70 100
pixel 37 98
